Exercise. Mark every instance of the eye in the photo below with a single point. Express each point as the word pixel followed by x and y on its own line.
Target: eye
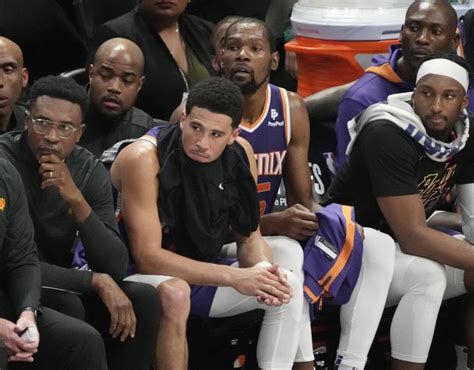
pixel 437 32
pixel 231 47
pixel 216 134
pixel 195 127
pixel 65 128
pixel 8 69
pixel 413 27
pixel 43 122
pixel 105 75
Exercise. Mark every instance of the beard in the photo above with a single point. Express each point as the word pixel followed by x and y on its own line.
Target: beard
pixel 251 86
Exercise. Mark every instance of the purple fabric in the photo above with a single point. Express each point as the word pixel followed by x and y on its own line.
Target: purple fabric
pixel 317 262
pixel 368 89
pixel 203 295
pixel 269 143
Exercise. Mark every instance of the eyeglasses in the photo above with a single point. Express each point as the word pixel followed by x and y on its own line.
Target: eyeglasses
pixel 43 126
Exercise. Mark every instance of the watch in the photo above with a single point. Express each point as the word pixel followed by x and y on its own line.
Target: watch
pixel 32 309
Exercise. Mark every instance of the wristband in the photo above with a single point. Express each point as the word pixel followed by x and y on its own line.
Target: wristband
pixel 263 264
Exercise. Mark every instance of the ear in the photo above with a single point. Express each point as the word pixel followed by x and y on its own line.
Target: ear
pixel 465 102
pixel 140 83
pixel 235 134
pixel 400 34
pixel 456 40
pixel 24 77
pixel 275 60
pixel 91 71
pixel 181 120
pixel 215 64
pixel 81 131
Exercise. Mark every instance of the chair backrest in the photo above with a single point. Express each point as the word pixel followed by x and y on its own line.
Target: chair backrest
pixel 79 75
pixel 92 13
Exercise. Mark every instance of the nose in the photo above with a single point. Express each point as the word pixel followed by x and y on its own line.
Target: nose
pixel 423 36
pixel 437 105
pixel 114 85
pixel 1 79
pixel 203 143
pixel 52 135
pixel 243 53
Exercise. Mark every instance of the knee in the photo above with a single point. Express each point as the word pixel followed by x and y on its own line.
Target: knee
pixel 175 298
pixel 287 252
pixel 428 278
pixel 145 301
pixel 378 256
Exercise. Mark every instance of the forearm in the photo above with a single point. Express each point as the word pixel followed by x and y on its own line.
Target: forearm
pixel 269 223
pixel 24 288
pixel 450 220
pixel 105 250
pixel 80 209
pixel 250 253
pixel 69 279
pixel 440 247
pixel 164 262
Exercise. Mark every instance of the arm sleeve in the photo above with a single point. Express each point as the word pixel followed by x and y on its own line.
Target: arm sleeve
pixel 348 109
pixel 104 248
pixel 61 278
pixel 391 159
pixel 19 256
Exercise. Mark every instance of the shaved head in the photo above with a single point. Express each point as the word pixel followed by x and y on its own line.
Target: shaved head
pixel 116 77
pixel 444 6
pixel 121 49
pixel 13 78
pixel 7 46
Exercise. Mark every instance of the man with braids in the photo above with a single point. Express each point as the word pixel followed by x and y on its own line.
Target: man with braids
pixel 183 188
pixel 404 157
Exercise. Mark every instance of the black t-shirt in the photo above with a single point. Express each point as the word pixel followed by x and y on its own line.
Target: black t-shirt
pixel 385 162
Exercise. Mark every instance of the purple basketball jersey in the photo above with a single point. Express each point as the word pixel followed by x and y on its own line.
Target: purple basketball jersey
pixel 269 136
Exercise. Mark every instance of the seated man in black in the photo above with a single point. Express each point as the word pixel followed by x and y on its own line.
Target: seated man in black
pixel 70 200
pixel 115 78
pixel 62 342
pixel 13 78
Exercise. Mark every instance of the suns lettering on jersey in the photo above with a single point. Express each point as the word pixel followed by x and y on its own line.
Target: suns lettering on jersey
pixel 270 164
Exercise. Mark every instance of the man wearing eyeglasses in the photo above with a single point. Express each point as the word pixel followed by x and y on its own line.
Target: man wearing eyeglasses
pixel 70 202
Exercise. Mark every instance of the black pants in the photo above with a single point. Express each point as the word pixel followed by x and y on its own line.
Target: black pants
pixel 136 353
pixel 65 344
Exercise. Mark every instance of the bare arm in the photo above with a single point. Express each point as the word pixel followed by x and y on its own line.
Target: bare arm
pixel 406 217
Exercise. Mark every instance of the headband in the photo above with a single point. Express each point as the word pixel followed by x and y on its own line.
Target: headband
pixel 444 67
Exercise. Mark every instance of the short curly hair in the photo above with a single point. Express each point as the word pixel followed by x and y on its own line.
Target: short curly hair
pixel 217 95
pixel 64 88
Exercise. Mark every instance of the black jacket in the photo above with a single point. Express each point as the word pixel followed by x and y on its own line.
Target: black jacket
pixel 54 226
pixel 19 266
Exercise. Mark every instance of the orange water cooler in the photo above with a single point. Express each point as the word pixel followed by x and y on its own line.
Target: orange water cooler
pixel 336 39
